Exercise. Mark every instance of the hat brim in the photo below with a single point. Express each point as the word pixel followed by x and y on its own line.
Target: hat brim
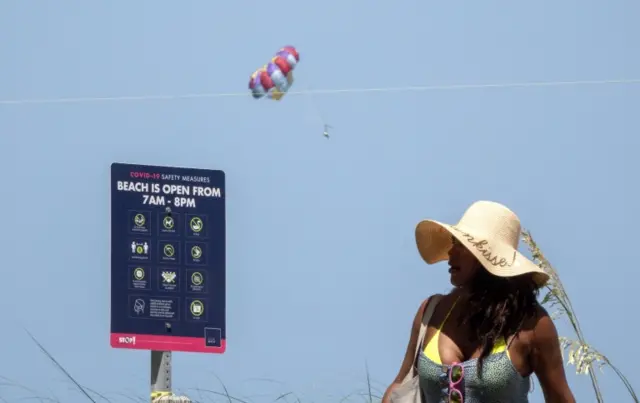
pixel 433 239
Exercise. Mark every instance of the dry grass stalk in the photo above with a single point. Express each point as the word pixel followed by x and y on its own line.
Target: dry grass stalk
pixel 578 352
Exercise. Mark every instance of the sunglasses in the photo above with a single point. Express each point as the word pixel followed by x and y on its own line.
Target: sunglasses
pixel 454 376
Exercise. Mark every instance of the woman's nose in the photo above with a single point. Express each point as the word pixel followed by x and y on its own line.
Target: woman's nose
pixel 452 251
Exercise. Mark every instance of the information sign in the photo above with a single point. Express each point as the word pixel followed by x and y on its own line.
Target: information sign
pixel 168 263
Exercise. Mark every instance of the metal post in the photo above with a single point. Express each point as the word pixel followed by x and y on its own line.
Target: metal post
pixel 160 374
pixel 161 379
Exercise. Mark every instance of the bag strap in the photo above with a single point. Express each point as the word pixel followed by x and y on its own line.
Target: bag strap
pixel 428 312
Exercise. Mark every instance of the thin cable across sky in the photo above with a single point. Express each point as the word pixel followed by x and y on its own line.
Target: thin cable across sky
pixel 328 91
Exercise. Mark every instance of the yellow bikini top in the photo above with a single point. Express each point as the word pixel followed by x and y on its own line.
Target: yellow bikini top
pixel 431 349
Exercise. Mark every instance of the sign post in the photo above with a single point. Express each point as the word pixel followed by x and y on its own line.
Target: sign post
pixel 160 374
pixel 168 264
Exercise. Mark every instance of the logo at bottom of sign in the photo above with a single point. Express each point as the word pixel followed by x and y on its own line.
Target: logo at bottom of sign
pixel 212 337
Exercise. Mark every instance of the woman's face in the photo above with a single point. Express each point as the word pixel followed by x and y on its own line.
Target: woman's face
pixel 462 264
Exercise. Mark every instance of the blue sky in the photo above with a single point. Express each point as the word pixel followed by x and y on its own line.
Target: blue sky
pixel 323 273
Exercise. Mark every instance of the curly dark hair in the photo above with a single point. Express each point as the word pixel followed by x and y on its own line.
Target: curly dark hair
pixel 498 306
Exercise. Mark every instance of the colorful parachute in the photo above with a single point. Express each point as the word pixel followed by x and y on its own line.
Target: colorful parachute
pixel 274 79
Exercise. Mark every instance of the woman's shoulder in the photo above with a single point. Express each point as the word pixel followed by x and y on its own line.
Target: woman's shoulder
pixel 540 317
pixel 540 326
pixel 544 327
pixel 431 301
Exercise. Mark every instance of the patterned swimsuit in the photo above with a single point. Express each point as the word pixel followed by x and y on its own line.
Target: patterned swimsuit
pixel 500 383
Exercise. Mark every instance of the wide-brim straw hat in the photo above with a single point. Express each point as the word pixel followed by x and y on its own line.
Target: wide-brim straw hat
pixel 487 229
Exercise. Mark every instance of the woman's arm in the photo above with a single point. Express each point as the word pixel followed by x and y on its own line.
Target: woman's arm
pixel 547 362
pixel 407 363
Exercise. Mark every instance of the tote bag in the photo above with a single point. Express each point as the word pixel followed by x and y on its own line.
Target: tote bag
pixel 409 390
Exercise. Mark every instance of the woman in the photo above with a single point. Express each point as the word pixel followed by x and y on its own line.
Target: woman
pixel 489 334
